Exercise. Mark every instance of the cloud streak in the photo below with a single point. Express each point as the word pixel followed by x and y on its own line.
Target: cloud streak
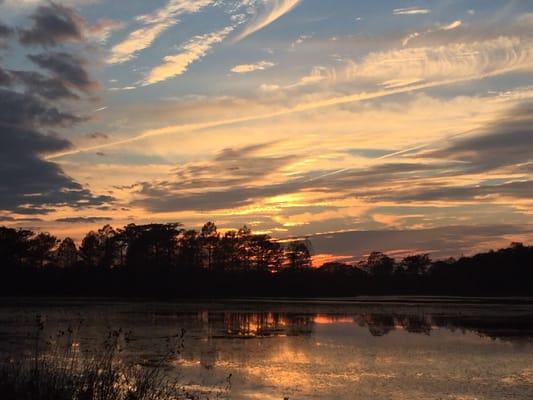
pixel 193 50
pixel 411 11
pixel 334 101
pixel 154 25
pixel 273 10
pixel 258 66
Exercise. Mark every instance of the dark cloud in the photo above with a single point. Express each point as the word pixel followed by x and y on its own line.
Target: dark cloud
pixel 29 184
pixel 232 169
pixel 53 24
pixel 19 109
pixel 29 114
pixel 97 136
pixel 67 68
pixel 5 31
pixel 232 178
pixel 165 197
pixel 439 242
pixel 44 86
pixel 78 220
pixel 506 143
pixel 519 189
pixel 5 78
pixel 230 181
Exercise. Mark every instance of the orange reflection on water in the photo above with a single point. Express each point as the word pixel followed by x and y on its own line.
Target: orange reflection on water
pixel 324 319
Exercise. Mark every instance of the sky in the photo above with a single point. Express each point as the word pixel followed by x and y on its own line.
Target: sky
pixel 398 126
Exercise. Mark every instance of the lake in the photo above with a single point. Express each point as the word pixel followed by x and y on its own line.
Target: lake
pixel 362 348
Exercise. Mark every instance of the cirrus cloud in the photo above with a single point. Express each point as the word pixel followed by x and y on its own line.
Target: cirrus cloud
pixel 258 66
pixel 272 11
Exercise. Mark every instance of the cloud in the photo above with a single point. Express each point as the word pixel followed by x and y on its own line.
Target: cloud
pixel 43 86
pixel 67 67
pixel 258 66
pixel 29 184
pixel 29 115
pixel 451 26
pixel 502 148
pixel 192 51
pixel 453 171
pixel 266 87
pixel 300 40
pixel 411 11
pixel 452 61
pixel 229 180
pixel 504 143
pixel 98 136
pixel 154 25
pixel 102 30
pixel 19 109
pixel 515 190
pixel 448 241
pixel 25 5
pixel 82 220
pixel 53 24
pixel 299 108
pixel 5 33
pixel 317 74
pixel 273 10
pixel 68 75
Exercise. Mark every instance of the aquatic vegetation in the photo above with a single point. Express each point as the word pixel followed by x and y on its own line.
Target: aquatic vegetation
pixel 57 369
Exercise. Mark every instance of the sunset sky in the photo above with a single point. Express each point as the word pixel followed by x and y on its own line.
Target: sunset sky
pixel 364 125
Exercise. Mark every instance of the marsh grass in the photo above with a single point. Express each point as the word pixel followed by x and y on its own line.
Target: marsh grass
pixel 57 369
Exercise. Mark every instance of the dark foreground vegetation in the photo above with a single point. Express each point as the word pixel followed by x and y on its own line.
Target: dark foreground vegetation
pixel 164 260
pixel 59 368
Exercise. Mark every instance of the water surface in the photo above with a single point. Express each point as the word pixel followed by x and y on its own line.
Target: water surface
pixel 364 348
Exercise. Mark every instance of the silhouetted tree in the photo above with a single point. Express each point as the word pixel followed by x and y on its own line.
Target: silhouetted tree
pixel 380 264
pixel 298 255
pixel 91 251
pixel 66 253
pixel 152 245
pixel 41 248
pixel 189 250
pixel 244 255
pixel 14 246
pixel 334 267
pixel 161 258
pixel 415 264
pixel 226 254
pixel 268 255
pixel 209 238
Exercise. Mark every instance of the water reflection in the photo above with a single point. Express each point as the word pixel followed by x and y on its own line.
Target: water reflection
pixel 324 350
pixel 250 324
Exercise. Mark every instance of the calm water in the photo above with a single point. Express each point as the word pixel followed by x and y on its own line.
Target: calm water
pixel 387 348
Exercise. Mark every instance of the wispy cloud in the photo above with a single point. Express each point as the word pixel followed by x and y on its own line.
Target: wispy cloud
pixel 193 50
pixel 300 40
pixel 258 66
pixel 453 61
pixel 410 11
pixel 451 26
pixel 102 30
pixel 154 25
pixel 273 10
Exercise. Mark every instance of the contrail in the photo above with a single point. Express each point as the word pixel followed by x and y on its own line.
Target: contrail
pixel 393 154
pixel 335 101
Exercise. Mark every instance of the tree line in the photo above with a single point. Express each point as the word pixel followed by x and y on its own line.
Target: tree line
pixel 168 260
pixel 154 246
